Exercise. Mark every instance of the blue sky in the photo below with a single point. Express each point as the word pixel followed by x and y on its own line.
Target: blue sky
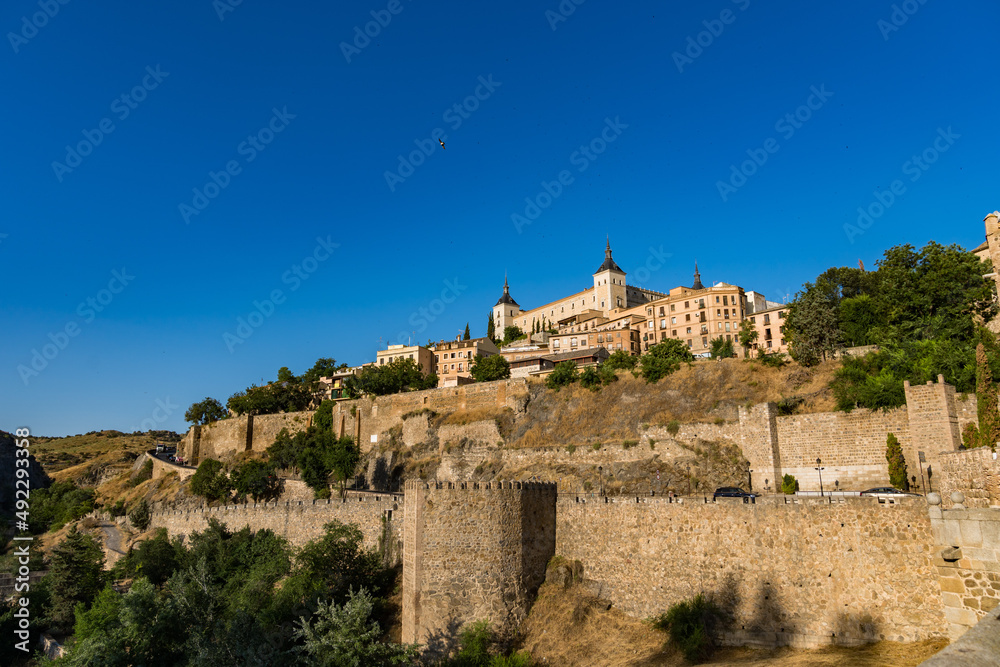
pixel 250 156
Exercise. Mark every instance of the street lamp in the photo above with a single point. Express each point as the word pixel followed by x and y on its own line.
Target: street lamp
pixel 689 479
pixel 749 478
pixel 820 468
pixel 600 473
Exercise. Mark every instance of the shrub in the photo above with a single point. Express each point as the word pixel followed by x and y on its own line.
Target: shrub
pixel 719 421
pixel 663 359
pixel 118 509
pixel 691 625
pixel 139 517
pixel 629 444
pixel 673 427
pixel 145 473
pixel 596 446
pixel 210 481
pixel 775 360
pixel 789 484
pixel 54 507
pixel 563 374
pixel 652 443
pixel 571 448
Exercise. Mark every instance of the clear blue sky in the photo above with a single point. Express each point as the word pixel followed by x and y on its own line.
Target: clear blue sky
pixel 446 227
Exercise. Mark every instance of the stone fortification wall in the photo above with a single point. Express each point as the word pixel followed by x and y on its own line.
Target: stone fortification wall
pixel 474 552
pixel 851 445
pixel 803 574
pixel 298 522
pixel 973 472
pixel 966 557
pixel 161 467
pixel 266 427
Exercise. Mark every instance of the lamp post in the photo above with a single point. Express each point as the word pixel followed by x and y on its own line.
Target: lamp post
pixel 600 474
pixel 749 478
pixel 689 479
pixel 820 468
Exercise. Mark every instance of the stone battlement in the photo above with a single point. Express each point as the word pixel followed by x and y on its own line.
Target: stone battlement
pixel 414 485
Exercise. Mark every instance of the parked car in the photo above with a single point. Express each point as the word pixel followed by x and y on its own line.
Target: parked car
pixel 883 492
pixel 731 492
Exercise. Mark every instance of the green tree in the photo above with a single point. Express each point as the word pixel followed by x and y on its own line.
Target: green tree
pixel 392 378
pixel 620 360
pixel 692 626
pixel 812 326
pixel 663 359
pixel 468 334
pixel 562 375
pixel 285 375
pixel 488 369
pixel 57 505
pixel 324 367
pixel 511 333
pixel 491 330
pixel 271 399
pixel 256 479
pixel 210 481
pixel 748 336
pixel 320 455
pixel 76 576
pixel 346 634
pixel 897 464
pixel 858 318
pixel 205 412
pixel 156 559
pixel 140 517
pixel 323 417
pixel 987 432
pixel 722 348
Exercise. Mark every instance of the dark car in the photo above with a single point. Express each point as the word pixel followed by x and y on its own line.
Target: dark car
pixel 731 492
pixel 883 492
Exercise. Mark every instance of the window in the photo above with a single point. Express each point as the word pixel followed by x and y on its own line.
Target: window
pixel 724 297
pixel 769 345
pixel 687 304
pixel 674 332
pixel 718 312
pixel 673 307
pixel 661 311
pixel 704 342
pixel 460 367
pixel 727 337
pixel 688 332
pixel 600 338
pixel 673 320
pixel 453 367
pixel 687 318
pixel 753 320
pixel 720 325
pixel 767 320
pixel 689 342
pixel 781 329
pixel 717 299
pixel 781 314
pixel 726 313
pixel 727 327
pixel 663 324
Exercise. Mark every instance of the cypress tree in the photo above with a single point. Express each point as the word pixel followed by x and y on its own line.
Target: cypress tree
pixel 467 335
pixel 986 399
pixel 491 328
pixel 897 464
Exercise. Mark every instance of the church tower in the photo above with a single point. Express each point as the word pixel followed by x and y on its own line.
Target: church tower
pixel 609 284
pixel 506 310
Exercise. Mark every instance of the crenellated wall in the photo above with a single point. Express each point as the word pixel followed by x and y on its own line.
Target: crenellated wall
pixel 973 472
pixel 807 574
pixel 298 522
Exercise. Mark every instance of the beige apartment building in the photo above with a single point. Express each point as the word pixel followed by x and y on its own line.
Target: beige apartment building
pixel 422 356
pixel 694 315
pixel 591 329
pixel 770 326
pixel 453 359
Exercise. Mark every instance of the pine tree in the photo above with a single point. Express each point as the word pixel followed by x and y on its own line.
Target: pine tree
pixel 491 330
pixel 897 464
pixel 467 335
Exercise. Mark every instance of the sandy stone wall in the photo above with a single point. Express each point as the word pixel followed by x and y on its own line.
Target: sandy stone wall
pixel 299 522
pixel 804 574
pixel 974 472
pixel 474 552
pixel 266 427
pixel 967 561
pixel 161 468
pixel 851 445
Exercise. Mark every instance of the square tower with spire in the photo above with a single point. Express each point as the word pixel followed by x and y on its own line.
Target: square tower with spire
pixel 609 284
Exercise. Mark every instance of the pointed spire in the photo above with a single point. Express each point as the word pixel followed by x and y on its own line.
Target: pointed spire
pixel 608 262
pixel 506 298
pixel 697 278
pixel 506 287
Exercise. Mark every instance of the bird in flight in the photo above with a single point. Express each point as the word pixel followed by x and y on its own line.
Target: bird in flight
pixel 442 144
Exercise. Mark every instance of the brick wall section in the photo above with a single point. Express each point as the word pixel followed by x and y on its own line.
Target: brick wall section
pixel 298 522
pixel 974 472
pixel 803 574
pixel 851 446
pixel 934 422
pixel 967 561
pixel 474 552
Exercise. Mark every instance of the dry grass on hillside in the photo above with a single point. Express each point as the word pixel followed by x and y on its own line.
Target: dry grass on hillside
pixel 706 391
pixel 59 454
pixel 568 627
